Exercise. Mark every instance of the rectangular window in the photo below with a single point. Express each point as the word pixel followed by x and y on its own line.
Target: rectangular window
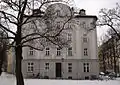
pixel 85 40
pixel 58 52
pixel 58 25
pixel 69 25
pixel 69 67
pixel 85 52
pixel 70 51
pixel 46 66
pixel 31 51
pixel 86 67
pixel 69 37
pixel 30 67
pixel 47 51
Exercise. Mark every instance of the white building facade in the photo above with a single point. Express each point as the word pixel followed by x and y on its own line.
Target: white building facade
pixel 79 61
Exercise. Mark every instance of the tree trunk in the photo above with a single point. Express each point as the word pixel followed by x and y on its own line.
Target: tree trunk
pixel 18 50
pixel 19 76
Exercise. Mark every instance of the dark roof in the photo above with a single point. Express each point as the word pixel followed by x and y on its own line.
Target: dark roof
pixel 33 16
pixel 86 16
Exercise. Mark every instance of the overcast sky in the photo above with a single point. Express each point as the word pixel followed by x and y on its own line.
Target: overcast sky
pixel 92 7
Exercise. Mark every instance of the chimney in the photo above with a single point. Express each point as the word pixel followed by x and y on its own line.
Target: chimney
pixel 82 12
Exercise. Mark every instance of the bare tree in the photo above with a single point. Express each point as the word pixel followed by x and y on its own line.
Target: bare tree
pixel 108 52
pixel 3 53
pixel 110 18
pixel 16 15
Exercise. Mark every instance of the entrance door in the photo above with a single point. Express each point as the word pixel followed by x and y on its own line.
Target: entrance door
pixel 58 69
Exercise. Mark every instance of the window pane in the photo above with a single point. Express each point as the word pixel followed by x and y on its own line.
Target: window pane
pixel 28 63
pixel 84 40
pixel 47 51
pixel 58 52
pixel 85 52
pixel 69 64
pixel 46 63
pixel 31 48
pixel 31 63
pixel 70 51
pixel 47 48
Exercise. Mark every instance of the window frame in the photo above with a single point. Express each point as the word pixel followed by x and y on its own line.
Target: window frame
pixel 47 66
pixel 69 37
pixel 85 39
pixel 31 51
pixel 47 51
pixel 30 67
pixel 70 51
pixel 86 67
pixel 85 51
pixel 69 67
pixel 58 52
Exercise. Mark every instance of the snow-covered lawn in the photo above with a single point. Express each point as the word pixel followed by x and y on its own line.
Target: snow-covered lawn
pixel 7 79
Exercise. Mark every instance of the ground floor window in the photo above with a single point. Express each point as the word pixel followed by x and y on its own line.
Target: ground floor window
pixel 30 67
pixel 69 67
pixel 86 67
pixel 69 77
pixel 86 77
pixel 47 66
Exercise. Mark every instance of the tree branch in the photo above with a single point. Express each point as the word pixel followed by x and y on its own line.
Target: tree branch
pixel 7 37
pixel 7 29
pixel 32 47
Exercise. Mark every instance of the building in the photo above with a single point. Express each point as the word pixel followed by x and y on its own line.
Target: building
pixel 11 61
pixel 79 61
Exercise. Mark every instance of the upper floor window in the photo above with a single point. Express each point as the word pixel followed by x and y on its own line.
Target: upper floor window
pixel 83 24
pixel 31 51
pixel 47 51
pixel 86 67
pixel 70 51
pixel 58 52
pixel 85 40
pixel 30 67
pixel 85 52
pixel 69 37
pixel 69 25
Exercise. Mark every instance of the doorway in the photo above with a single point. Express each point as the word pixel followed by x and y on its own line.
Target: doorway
pixel 58 70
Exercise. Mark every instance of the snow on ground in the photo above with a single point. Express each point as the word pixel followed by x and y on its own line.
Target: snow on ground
pixel 8 79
